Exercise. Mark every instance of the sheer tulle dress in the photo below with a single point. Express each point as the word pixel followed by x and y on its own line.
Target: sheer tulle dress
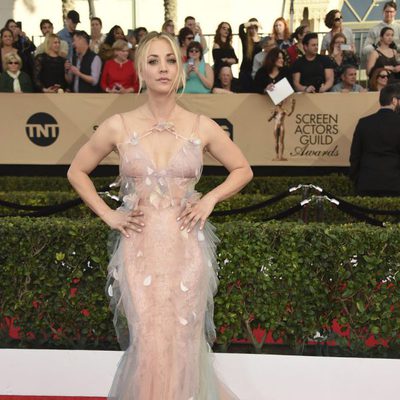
pixel 161 282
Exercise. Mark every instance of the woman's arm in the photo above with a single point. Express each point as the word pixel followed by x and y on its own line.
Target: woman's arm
pixel 371 61
pixel 207 79
pixel 102 143
pixel 221 147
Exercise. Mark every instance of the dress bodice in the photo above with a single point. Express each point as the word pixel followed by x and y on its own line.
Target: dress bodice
pixel 143 183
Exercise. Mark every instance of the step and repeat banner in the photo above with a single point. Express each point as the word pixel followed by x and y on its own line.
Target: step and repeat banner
pixel 306 130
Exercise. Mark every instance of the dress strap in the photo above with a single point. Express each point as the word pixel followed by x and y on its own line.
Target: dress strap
pixel 195 129
pixel 127 131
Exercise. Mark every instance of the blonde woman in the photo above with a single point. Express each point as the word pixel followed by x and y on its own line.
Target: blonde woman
pixel 13 80
pixel 119 74
pixel 162 274
pixel 248 33
pixel 49 74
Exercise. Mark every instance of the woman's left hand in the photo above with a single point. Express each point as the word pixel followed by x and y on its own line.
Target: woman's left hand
pixel 199 211
pixel 195 69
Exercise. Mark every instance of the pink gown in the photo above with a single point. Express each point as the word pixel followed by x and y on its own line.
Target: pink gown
pixel 161 282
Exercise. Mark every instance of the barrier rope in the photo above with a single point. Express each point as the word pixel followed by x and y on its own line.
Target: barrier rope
pixel 354 210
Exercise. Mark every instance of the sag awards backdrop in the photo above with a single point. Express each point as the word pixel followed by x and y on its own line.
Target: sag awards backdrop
pixel 307 130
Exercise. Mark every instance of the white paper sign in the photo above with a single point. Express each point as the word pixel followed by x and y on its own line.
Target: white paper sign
pixel 281 91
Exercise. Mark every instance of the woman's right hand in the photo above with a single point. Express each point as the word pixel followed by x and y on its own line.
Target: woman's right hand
pixel 124 221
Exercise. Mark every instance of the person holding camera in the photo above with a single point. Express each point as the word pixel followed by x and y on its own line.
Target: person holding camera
pixel 84 72
pixel 312 73
pixel 199 74
pixel 119 74
pixel 190 22
pixel 341 54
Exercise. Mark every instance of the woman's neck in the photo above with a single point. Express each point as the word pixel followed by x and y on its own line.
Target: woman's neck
pixel 336 30
pixel 384 46
pixel 96 36
pixel 275 71
pixel 52 53
pixel 161 107
pixel 7 48
pixel 120 61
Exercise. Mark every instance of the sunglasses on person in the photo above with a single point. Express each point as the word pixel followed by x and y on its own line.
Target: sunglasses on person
pixel 338 19
pixel 383 76
pixel 13 62
pixel 194 51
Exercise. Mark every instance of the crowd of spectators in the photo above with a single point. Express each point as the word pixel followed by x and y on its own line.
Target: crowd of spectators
pixel 73 60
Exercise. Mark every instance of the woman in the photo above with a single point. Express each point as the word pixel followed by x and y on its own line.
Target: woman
pixel 281 34
pixel 250 39
pixel 222 51
pixel 199 74
pixel 7 45
pixel 296 50
pixel 119 74
pixel 378 80
pixel 13 80
pixel 161 276
pixel 333 21
pixel 185 37
pixel 168 27
pixel 23 45
pixel 341 57
pixel 271 72
pixel 106 52
pixel 384 56
pixel 96 36
pixel 49 69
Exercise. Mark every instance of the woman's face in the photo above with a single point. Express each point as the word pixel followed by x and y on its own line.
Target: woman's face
pixel 194 53
pixel 122 55
pixel 13 66
pixel 7 38
pixel 387 37
pixel 95 27
pixel 306 30
pixel 279 61
pixel 337 21
pixel 160 68
pixel 170 28
pixel 119 34
pixel 188 39
pixel 338 43
pixel 225 30
pixel 382 78
pixel 252 30
pixel 55 46
pixel 13 28
pixel 279 27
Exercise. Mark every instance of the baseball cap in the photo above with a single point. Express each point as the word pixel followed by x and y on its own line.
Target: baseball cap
pixel 73 16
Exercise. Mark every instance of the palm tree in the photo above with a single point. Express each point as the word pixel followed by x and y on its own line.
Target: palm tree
pixel 170 7
pixel 67 5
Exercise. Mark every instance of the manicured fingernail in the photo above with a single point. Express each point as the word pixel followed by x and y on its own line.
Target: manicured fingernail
pixel 188 230
pixel 181 228
pixel 178 219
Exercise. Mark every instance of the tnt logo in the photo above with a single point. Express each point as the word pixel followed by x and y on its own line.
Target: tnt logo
pixel 42 129
pixel 226 125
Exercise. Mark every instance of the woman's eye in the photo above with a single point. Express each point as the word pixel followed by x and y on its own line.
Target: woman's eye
pixel 153 62
pixel 172 61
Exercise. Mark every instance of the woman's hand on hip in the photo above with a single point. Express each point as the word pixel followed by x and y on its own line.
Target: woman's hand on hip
pixel 199 211
pixel 125 221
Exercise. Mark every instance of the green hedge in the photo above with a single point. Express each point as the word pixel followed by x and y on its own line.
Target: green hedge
pixel 330 213
pixel 289 278
pixel 338 184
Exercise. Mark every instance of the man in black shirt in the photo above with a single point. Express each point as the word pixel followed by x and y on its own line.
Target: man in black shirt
pixel 312 73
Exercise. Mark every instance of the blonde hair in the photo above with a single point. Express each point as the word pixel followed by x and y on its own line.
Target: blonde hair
pixel 48 42
pixel 143 50
pixel 11 57
pixel 120 45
